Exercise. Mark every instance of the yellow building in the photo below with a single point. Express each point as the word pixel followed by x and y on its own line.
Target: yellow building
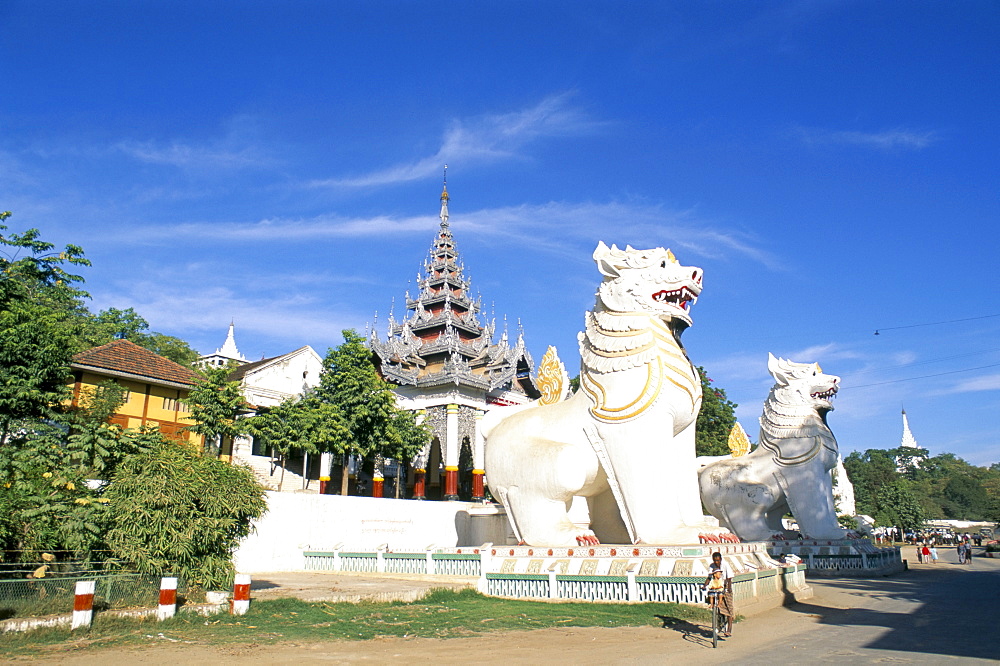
pixel 156 386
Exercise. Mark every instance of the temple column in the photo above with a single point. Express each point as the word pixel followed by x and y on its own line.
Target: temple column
pixel 451 453
pixel 325 464
pixel 478 458
pixel 378 481
pixel 419 464
pixel 419 483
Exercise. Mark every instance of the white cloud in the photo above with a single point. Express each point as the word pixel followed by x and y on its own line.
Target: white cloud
pixel 188 312
pixel 984 383
pixel 884 140
pixel 277 229
pixel 481 140
pixel 236 147
pixel 186 155
pixel 831 351
pixel 745 367
pixel 558 227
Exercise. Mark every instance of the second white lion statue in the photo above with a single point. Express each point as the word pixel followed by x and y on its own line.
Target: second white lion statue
pixel 789 471
pixel 625 440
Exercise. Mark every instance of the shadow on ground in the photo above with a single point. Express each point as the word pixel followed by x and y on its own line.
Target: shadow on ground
pixel 693 633
pixel 936 609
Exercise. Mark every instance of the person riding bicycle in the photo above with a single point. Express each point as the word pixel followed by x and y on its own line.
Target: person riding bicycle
pixel 724 598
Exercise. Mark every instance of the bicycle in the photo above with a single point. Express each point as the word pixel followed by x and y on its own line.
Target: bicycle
pixel 714 600
pixel 715 624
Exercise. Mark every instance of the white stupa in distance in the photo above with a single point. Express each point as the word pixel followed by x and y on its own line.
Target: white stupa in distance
pixel 225 354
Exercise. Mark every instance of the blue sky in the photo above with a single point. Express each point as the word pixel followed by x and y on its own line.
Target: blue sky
pixel 832 166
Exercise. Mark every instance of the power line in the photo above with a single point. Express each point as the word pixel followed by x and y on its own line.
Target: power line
pixel 910 379
pixel 934 323
pixel 868 371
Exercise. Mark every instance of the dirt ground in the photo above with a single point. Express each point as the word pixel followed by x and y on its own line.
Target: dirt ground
pixel 871 620
pixel 634 645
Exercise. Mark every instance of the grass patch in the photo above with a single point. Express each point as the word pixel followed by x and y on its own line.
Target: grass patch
pixel 441 614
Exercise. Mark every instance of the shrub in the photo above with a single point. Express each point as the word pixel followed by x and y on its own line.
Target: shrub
pixel 173 511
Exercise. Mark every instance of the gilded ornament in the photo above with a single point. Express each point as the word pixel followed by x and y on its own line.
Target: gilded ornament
pixel 739 443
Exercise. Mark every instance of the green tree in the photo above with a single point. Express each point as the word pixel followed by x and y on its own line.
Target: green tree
pixel 215 404
pixel 45 503
pixel 38 307
pixel 173 511
pixel 909 460
pixel 48 500
pixel 96 446
pixel 967 496
pixel 279 428
pixel 121 324
pixel 306 424
pixel 715 419
pixel 404 439
pixel 869 472
pixel 168 346
pixel 898 506
pixel 364 400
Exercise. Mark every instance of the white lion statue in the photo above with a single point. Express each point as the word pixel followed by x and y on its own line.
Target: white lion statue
pixel 625 440
pixel 789 471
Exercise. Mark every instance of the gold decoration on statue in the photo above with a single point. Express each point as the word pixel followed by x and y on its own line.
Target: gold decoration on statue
pixel 553 382
pixel 739 443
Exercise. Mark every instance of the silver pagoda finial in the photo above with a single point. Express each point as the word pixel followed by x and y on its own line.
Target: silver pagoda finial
pixel 444 199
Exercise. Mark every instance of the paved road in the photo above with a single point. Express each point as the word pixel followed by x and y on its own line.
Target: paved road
pixel 930 614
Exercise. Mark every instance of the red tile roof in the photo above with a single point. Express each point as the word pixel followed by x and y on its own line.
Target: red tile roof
pixel 123 356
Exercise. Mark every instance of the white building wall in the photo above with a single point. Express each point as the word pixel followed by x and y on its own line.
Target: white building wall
pixel 298 522
pixel 286 377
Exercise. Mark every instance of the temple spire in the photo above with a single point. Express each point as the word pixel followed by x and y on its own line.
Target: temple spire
pixel 444 199
pixel 908 438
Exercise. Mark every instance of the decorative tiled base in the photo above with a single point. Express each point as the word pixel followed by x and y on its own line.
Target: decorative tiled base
pixel 592 573
pixel 840 557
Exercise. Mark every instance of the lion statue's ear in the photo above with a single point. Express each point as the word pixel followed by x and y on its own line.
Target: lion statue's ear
pixel 603 255
pixel 778 368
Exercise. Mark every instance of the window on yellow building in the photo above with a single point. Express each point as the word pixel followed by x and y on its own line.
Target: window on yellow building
pixel 169 404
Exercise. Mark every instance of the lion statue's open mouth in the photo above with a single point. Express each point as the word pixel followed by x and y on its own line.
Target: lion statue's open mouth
pixel 679 298
pixel 825 395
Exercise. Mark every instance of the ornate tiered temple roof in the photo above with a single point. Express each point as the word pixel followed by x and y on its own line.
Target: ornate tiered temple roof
pixel 441 342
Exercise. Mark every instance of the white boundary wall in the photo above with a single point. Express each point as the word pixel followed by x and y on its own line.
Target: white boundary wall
pixel 296 522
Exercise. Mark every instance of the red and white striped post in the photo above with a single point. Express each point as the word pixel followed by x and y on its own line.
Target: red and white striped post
pixel 168 598
pixel 241 594
pixel 83 603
